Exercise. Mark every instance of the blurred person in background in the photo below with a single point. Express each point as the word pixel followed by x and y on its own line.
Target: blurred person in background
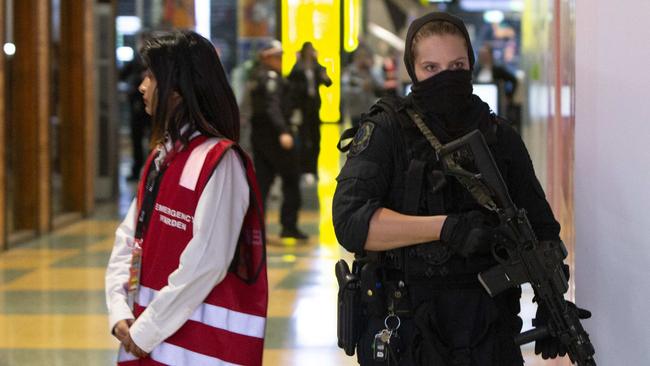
pixel 487 71
pixel 274 150
pixel 390 74
pixel 359 85
pixel 193 239
pixel 240 79
pixel 306 76
pixel 139 121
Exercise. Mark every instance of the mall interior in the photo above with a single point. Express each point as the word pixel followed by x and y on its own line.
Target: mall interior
pixel 577 77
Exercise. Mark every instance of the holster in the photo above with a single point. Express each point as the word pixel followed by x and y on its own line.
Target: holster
pixel 349 322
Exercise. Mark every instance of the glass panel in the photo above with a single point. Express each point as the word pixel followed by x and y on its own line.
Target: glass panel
pixel 9 138
pixel 55 107
pixel 105 104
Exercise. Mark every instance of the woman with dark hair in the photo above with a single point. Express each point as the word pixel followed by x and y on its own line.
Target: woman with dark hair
pixel 186 282
pixel 305 79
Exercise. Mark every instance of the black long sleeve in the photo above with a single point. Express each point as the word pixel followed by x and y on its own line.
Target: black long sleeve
pixel 524 187
pixel 363 183
pixel 274 104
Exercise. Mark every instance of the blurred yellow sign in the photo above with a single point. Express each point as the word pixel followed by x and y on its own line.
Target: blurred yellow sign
pixel 319 22
pixel 351 24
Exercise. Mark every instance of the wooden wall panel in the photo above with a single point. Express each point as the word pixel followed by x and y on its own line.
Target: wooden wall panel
pixel 43 186
pixel 30 113
pixel 88 30
pixel 77 105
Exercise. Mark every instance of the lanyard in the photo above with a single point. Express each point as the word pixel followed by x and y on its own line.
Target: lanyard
pixel 152 184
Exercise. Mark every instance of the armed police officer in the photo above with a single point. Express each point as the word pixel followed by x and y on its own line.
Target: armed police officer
pixel 274 152
pixel 419 236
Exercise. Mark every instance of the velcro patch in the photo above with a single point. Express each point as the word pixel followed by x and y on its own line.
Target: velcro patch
pixel 361 139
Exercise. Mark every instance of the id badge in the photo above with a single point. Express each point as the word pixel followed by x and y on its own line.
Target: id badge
pixel 134 273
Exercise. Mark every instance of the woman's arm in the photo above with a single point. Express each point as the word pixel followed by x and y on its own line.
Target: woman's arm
pixel 389 229
pixel 206 259
pixel 117 271
pixel 361 219
pixel 324 78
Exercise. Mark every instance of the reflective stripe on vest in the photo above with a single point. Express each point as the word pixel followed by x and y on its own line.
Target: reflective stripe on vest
pixel 216 316
pixel 170 354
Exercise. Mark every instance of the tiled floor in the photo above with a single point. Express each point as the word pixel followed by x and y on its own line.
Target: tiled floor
pixel 52 308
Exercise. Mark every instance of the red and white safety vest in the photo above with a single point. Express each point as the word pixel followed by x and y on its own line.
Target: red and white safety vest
pixel 228 327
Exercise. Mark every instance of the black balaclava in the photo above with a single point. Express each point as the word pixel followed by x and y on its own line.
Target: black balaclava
pixel 446 96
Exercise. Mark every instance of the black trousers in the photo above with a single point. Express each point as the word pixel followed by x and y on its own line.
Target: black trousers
pixel 309 138
pixel 270 161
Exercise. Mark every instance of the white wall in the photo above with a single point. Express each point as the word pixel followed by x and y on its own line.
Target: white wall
pixel 612 176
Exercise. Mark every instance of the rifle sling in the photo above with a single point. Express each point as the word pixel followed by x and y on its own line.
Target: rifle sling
pixel 478 190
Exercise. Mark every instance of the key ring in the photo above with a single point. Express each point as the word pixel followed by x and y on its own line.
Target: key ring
pixel 392 315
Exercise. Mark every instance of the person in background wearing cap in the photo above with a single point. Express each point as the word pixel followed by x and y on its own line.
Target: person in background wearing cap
pixel 359 87
pixel 421 237
pixel 274 152
pixel 487 71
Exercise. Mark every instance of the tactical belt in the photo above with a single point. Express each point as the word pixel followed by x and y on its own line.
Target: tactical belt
pixel 442 283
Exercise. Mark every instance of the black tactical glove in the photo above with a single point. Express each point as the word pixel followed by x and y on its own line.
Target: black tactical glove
pixel 467 233
pixel 551 347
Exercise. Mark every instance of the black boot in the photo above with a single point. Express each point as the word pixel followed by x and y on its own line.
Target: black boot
pixel 293 232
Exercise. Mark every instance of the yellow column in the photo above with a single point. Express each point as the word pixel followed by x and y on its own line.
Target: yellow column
pixel 351 24
pixel 319 22
pixel 77 98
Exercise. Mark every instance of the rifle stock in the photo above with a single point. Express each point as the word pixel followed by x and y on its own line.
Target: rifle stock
pixel 522 258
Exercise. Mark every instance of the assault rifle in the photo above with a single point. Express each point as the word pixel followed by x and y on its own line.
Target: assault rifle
pixel 522 258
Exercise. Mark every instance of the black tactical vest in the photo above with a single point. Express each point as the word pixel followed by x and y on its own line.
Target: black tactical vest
pixel 419 187
pixel 421 273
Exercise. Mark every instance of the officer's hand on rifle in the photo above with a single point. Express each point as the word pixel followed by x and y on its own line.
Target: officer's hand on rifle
pixel 551 347
pixel 467 233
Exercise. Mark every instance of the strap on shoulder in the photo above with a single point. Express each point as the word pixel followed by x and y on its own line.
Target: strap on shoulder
pixel 344 145
pixel 480 192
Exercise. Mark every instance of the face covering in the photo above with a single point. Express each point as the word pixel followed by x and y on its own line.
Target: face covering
pixel 446 98
pixel 445 94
